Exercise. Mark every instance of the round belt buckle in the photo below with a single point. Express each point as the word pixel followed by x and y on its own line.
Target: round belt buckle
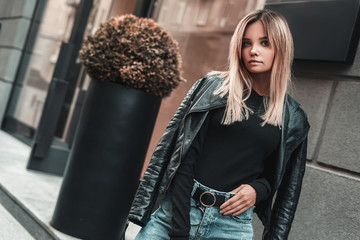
pixel 207 205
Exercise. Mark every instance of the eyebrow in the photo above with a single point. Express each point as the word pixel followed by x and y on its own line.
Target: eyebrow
pixel 262 38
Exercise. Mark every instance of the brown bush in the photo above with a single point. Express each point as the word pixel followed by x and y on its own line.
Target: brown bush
pixel 134 52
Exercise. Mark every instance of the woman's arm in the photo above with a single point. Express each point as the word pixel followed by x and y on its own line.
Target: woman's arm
pixel 288 194
pixel 262 188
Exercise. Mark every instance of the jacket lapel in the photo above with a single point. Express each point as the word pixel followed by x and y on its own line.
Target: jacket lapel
pixel 207 100
pixel 203 102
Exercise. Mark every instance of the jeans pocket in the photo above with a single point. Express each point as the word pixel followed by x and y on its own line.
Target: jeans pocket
pixel 243 218
pixel 196 213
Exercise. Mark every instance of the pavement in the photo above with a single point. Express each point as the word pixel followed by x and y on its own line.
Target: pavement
pixel 28 198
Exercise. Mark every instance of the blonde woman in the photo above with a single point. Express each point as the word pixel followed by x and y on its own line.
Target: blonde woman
pixel 236 140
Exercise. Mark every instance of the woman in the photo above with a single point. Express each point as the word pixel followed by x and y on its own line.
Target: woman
pixel 236 140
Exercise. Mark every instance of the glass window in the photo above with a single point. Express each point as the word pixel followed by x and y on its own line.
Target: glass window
pixel 36 70
pixel 51 29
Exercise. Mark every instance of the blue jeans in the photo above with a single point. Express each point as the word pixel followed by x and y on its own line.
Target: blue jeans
pixel 206 222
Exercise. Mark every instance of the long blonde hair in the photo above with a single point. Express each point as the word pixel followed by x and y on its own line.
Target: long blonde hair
pixel 237 82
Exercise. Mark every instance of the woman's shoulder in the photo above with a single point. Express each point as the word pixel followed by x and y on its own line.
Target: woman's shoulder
pixel 216 76
pixel 210 79
pixel 296 113
pixel 294 105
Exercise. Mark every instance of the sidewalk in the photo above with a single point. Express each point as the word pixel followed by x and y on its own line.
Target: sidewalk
pixel 28 198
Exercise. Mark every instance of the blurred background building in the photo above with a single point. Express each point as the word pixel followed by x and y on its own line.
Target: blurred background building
pixel 31 35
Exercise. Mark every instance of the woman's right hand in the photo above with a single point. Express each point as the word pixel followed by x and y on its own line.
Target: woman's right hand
pixel 245 197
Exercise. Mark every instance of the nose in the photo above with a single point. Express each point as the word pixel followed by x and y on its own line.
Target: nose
pixel 254 50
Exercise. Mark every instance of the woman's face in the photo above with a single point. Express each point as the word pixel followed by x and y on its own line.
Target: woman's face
pixel 257 54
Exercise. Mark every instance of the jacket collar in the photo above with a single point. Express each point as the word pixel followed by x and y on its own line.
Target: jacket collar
pixel 206 99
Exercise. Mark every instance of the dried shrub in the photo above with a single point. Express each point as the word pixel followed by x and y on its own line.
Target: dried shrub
pixel 134 52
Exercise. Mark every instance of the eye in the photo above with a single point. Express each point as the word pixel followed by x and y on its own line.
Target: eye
pixel 265 43
pixel 246 44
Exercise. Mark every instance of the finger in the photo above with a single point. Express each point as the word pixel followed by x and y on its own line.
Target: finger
pixel 241 203
pixel 241 208
pixel 235 209
pixel 230 202
pixel 232 207
pixel 239 212
pixel 236 190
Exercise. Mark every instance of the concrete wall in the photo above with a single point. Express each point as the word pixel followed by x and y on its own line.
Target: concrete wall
pixel 15 19
pixel 329 207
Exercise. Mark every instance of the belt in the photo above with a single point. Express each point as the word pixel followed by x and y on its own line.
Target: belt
pixel 208 199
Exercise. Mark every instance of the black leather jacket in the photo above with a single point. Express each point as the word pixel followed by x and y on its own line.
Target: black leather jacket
pixel 286 174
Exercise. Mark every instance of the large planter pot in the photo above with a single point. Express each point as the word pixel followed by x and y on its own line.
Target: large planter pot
pixel 105 162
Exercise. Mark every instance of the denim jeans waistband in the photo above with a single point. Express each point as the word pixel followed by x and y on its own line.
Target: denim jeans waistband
pixel 208 189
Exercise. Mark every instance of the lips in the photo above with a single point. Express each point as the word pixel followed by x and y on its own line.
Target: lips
pixel 255 61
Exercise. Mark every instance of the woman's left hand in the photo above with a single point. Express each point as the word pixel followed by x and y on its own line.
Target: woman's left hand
pixel 244 199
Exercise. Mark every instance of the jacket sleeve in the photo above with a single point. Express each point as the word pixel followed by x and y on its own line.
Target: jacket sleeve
pixel 147 191
pixel 288 195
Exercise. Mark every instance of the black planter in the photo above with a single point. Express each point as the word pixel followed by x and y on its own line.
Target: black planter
pixel 105 162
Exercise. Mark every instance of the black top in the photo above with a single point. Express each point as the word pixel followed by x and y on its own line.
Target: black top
pixel 223 157
pixel 235 153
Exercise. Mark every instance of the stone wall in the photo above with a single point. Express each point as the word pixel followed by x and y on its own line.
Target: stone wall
pixel 330 198
pixel 329 205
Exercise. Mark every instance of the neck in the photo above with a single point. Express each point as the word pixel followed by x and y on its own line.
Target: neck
pixel 261 83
